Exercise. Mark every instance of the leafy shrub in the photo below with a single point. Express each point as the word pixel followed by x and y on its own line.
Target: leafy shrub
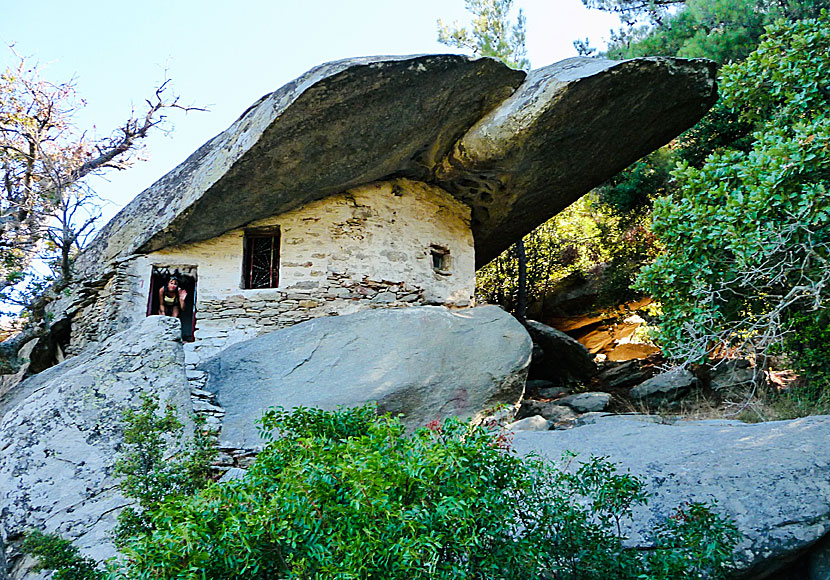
pixel 347 495
pixel 59 554
pixel 592 231
pixel 807 346
pixel 747 238
pixel 156 463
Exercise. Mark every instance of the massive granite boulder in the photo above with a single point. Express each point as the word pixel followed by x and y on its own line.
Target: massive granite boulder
pixel 423 362
pixel 772 478
pixel 516 148
pixel 568 127
pixel 60 432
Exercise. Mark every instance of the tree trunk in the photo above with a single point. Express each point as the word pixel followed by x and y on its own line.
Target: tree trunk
pixel 521 303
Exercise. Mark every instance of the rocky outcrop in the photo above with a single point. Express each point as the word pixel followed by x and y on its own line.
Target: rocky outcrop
pixel 562 355
pixel 586 402
pixel 61 430
pixel 729 374
pixel 664 388
pixel 772 478
pixel 515 148
pixel 424 362
pixel 568 124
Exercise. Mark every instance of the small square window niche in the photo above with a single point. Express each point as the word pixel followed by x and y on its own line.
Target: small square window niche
pixel 441 261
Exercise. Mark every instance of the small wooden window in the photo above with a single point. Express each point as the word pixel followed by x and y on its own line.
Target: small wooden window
pixel 440 259
pixel 261 257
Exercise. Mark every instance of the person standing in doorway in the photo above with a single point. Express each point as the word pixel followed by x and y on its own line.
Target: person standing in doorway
pixel 171 298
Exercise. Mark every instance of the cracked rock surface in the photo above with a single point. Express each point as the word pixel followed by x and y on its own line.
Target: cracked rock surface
pixel 59 437
pixel 772 478
pixel 426 362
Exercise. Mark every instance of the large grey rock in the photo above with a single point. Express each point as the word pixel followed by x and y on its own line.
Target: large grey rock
pixel 569 127
pixel 591 402
pixel 772 478
pixel 550 410
pixel 516 157
pixel 565 354
pixel 625 374
pixel 60 436
pixel 340 125
pixel 730 374
pixel 426 362
pixel 532 423
pixel 664 388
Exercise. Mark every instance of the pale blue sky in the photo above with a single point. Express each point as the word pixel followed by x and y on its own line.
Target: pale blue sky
pixel 225 55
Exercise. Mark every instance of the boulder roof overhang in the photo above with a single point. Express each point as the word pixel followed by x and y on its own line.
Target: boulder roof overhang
pixel 516 147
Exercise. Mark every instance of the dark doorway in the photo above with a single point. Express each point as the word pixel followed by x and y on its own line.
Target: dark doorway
pixel 187 281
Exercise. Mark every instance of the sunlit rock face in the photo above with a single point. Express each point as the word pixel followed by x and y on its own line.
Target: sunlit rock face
pixel 514 147
pixel 61 430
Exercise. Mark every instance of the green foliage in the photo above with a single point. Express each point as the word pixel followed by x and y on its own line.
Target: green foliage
pixel 695 542
pixel 807 345
pixel 747 239
pixel 347 495
pixel 56 553
pixel 591 233
pixel 631 192
pixel 721 30
pixel 492 32
pixel 156 464
pixel 721 128
pixel 631 11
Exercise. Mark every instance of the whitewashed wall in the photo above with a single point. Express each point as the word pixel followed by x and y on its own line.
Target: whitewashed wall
pixel 368 247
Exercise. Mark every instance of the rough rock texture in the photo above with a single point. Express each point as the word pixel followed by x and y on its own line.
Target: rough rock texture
pixel 552 392
pixel 340 125
pixel 561 351
pixel 532 423
pixel 553 411
pixel 730 374
pixel 425 362
pixel 664 388
pixel 570 126
pixel 586 402
pixel 60 431
pixel 516 157
pixel 626 374
pixel 772 478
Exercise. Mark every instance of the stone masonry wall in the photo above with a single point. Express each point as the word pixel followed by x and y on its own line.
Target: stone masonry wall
pixel 365 248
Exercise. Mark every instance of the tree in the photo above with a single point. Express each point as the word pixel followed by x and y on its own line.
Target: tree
pixel 632 11
pixel 721 30
pixel 747 236
pixel 493 33
pixel 47 209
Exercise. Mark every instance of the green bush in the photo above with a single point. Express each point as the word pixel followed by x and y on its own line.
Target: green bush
pixel 348 495
pixel 747 237
pixel 59 554
pixel 807 346
pixel 157 463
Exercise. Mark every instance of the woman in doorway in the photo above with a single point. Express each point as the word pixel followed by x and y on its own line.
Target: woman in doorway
pixel 171 298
